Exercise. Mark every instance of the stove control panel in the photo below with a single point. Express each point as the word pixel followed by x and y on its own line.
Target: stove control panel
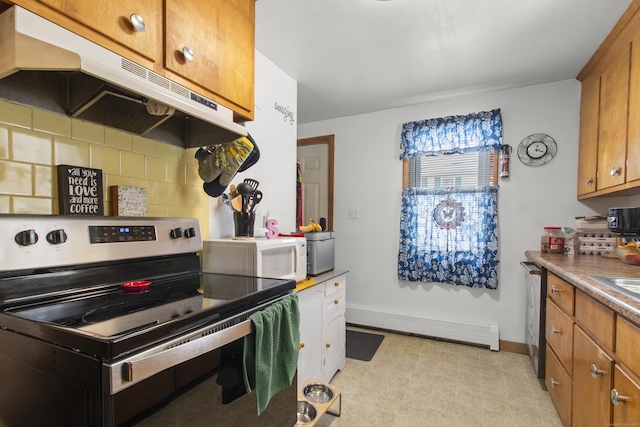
pixel 121 233
pixel 42 241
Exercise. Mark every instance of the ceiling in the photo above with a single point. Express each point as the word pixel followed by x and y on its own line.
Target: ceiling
pixel 357 56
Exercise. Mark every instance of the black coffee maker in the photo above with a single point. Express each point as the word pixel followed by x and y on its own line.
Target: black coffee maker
pixel 624 221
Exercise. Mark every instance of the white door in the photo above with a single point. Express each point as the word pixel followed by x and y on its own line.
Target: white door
pixel 314 161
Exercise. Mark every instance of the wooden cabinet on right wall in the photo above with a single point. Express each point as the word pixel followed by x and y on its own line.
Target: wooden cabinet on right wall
pixel 610 113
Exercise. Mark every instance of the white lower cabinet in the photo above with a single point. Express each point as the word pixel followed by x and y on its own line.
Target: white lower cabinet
pixel 322 330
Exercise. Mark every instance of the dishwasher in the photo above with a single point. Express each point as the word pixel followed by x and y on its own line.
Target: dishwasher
pixel 536 289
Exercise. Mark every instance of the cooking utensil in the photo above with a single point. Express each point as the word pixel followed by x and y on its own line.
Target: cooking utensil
pixel 232 191
pixel 236 203
pixel 245 191
pixel 254 199
pixel 252 182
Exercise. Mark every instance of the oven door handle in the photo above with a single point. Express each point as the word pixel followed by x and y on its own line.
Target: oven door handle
pixel 125 373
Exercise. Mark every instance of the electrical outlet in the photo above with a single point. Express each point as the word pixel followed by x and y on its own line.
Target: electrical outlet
pixel 354 213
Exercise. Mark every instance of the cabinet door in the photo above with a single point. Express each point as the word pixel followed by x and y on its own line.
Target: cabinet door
pixel 633 140
pixel 334 337
pixel 220 33
pixel 113 20
pixel 560 387
pixel 588 146
pixel 627 410
pixel 612 137
pixel 310 356
pixel 591 382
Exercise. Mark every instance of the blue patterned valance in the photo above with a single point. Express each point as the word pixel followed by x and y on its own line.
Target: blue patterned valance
pixel 453 134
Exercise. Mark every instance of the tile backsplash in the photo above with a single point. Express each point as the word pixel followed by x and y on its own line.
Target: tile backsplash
pixel 34 141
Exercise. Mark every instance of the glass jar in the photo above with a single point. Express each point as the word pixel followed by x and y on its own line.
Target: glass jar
pixel 552 241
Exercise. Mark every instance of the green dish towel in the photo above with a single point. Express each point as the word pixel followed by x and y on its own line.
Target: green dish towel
pixel 271 351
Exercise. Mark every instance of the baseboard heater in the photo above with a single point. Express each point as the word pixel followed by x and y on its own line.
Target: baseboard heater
pixel 475 333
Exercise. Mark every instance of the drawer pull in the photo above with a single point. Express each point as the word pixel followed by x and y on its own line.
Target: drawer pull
pixel 336 302
pixel 553 382
pixel 555 331
pixel 555 290
pixel 616 398
pixel 301 345
pixel 595 371
pixel 336 284
pixel 328 345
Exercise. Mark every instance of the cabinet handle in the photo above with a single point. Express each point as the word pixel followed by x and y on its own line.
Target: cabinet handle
pixel 188 54
pixel 616 398
pixel 553 382
pixel 615 171
pixel 301 345
pixel 328 345
pixel 137 23
pixel 335 301
pixel 336 284
pixel 589 181
pixel 555 290
pixel 555 331
pixel 595 371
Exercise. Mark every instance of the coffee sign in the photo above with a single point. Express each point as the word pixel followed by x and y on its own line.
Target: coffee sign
pixel 80 191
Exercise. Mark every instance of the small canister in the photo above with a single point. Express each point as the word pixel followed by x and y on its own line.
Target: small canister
pixel 552 241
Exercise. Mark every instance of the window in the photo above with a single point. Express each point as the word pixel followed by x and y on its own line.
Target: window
pixel 448 225
pixel 474 169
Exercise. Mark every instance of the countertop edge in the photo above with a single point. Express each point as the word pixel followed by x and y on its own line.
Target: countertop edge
pixel 320 279
pixel 576 270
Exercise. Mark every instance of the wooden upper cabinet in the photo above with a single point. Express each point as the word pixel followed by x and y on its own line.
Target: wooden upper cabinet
pixel 588 145
pixel 113 19
pixel 211 43
pixel 612 136
pixel 633 139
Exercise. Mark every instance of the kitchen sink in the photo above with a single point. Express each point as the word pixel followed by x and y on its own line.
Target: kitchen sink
pixel 628 285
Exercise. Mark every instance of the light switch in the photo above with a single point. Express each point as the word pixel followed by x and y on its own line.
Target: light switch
pixel 354 213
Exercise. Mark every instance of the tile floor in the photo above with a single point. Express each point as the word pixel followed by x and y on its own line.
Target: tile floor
pixel 413 381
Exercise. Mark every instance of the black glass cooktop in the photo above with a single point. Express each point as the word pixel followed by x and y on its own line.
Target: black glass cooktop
pixel 151 310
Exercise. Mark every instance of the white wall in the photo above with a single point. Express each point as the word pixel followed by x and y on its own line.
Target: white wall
pixel 368 176
pixel 275 134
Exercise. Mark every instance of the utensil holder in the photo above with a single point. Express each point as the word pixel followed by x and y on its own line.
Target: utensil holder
pixel 243 223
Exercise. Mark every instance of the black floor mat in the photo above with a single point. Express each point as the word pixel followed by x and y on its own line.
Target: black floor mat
pixel 362 345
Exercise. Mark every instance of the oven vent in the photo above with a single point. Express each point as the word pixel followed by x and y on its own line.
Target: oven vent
pixel 216 328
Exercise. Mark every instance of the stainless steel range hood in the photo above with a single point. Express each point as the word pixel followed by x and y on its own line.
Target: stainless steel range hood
pixel 46 66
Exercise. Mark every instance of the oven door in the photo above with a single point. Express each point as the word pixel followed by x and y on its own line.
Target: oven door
pixel 213 355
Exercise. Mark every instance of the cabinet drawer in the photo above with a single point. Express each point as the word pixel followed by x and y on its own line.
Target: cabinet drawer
pixel 560 335
pixel 335 285
pixel 334 303
pixel 560 387
pixel 627 344
pixel 561 292
pixel 595 318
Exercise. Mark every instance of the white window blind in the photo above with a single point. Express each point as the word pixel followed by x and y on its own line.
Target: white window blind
pixel 474 169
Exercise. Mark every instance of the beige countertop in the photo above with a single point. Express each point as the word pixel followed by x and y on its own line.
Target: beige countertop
pixel 576 270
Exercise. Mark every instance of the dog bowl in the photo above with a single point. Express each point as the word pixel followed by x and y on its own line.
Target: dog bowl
pixel 306 412
pixel 318 393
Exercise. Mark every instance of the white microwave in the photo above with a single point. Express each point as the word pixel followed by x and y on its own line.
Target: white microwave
pixel 282 258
